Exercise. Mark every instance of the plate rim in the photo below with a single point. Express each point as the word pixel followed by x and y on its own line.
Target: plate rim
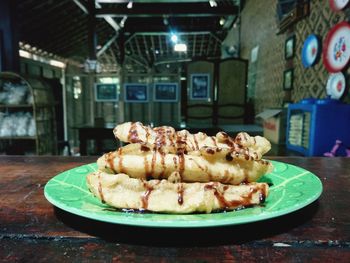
pixel 307 41
pixel 327 41
pixel 328 88
pixel 228 221
pixel 335 8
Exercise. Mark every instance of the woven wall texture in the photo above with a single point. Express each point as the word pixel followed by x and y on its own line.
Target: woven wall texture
pixel 259 26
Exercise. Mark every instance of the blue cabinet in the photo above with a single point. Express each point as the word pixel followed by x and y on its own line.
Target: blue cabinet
pixel 314 126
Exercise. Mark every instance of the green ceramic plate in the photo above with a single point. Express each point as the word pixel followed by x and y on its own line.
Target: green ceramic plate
pixel 292 188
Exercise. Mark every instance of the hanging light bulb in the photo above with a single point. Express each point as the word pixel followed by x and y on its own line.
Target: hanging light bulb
pixel 212 3
pixel 174 38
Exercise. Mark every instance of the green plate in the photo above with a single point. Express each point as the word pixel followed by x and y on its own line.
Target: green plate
pixel 292 188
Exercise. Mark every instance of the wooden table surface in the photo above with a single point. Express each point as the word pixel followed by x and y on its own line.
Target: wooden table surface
pixel 32 230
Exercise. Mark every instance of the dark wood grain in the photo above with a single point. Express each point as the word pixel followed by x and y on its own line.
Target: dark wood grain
pixel 101 251
pixel 28 223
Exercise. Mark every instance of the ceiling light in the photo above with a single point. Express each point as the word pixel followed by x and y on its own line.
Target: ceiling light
pixel 24 54
pixel 165 21
pixel 52 62
pixel 212 3
pixel 222 21
pixel 180 47
pixel 129 5
pixel 174 38
pixel 57 63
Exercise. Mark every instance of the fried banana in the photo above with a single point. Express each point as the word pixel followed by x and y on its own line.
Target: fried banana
pixel 172 141
pixel 205 165
pixel 164 196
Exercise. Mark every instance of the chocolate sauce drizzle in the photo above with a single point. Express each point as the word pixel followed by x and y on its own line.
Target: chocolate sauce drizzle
pixel 181 164
pixel 133 136
pixel 147 172
pixel 214 141
pixel 225 204
pixel 210 151
pixel 110 160
pixel 145 148
pixel 146 194
pixel 120 163
pixel 175 163
pixel 162 162
pixel 195 141
pixel 180 194
pixel 147 132
pixel 204 170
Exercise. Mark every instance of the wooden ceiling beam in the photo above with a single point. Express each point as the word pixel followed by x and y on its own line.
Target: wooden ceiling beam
pixel 54 31
pixel 154 50
pixel 62 29
pixel 55 12
pixel 178 28
pixel 77 32
pixel 171 9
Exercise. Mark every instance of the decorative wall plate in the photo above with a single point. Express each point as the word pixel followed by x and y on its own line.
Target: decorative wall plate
pixel 336 85
pixel 336 51
pixel 311 51
pixel 338 5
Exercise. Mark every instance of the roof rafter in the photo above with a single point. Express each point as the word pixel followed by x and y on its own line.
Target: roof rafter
pixel 173 9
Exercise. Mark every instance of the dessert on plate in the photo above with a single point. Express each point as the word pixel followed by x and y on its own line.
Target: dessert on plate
pixel 168 171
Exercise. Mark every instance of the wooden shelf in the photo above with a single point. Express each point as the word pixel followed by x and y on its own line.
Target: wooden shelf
pixel 17 138
pixel 42 111
pixel 16 106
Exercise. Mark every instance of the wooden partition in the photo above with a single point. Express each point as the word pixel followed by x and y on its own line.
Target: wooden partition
pixel 200 111
pixel 153 112
pixel 231 91
pixel 166 112
pixel 226 103
pixel 136 111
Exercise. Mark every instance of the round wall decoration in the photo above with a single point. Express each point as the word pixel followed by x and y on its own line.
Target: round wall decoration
pixel 338 5
pixel 336 85
pixel 311 51
pixel 336 51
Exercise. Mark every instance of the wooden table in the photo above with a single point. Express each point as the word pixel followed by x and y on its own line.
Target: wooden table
pixel 93 133
pixel 32 230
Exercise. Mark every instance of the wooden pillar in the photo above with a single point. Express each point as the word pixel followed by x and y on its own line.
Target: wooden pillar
pixel 9 48
pixel 215 92
pixel 92 43
pixel 92 37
